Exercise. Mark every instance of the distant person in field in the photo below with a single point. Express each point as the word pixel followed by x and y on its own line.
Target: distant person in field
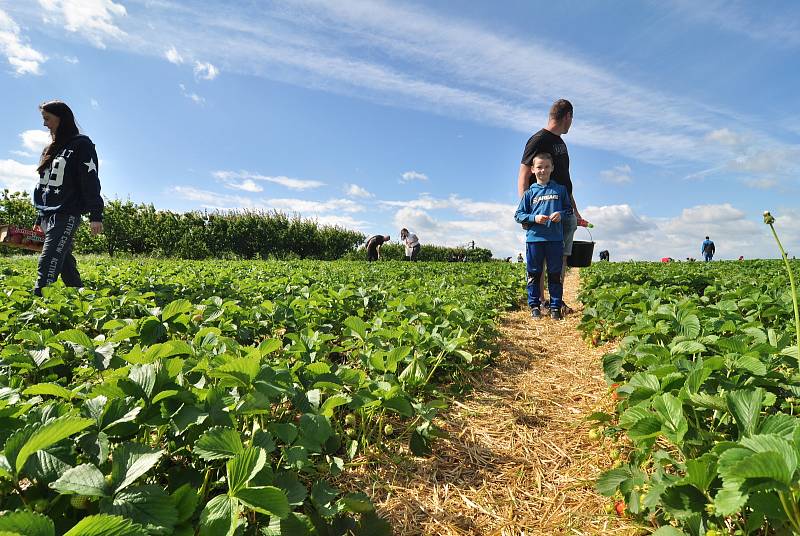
pixel 411 242
pixel 605 255
pixel 542 207
pixel 520 259
pixel 68 187
pixel 548 140
pixel 374 247
pixel 707 249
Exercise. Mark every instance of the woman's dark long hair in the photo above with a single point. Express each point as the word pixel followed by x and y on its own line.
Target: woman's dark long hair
pixel 67 129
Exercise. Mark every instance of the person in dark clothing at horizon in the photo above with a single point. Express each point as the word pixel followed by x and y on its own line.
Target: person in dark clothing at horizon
pixel 708 249
pixel 68 187
pixel 374 246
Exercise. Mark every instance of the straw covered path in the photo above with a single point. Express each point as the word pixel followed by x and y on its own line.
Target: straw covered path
pixel 518 460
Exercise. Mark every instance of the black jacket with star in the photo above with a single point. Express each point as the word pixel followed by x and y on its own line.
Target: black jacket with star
pixel 71 185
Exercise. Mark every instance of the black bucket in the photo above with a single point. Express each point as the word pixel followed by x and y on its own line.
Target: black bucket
pixel 582 252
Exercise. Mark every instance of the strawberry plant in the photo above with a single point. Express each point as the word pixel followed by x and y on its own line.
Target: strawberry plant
pixel 226 397
pixel 707 377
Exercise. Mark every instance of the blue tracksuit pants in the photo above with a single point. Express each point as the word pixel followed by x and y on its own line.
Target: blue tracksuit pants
pixel 536 254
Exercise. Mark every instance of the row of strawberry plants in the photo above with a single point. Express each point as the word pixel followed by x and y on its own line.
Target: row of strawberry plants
pixel 226 397
pixel 706 381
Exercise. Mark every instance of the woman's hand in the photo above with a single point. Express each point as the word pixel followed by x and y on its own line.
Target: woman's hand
pixel 96 227
pixel 555 217
pixel 541 218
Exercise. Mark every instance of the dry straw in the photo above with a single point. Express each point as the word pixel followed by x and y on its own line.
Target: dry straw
pixel 518 460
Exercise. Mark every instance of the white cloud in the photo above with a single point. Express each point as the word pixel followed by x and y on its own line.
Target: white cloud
pixel 329 212
pixel 710 214
pixel 94 104
pixel 617 174
pixel 205 71
pixel 16 176
pixel 247 185
pixel 413 176
pixel 310 206
pixel 21 56
pixel 452 67
pixel 456 220
pixel 173 56
pixel 35 140
pixel 293 184
pixel 724 136
pixel 628 235
pixel 95 20
pixel 424 202
pixel 502 236
pixel 354 190
pixel 72 60
pixel 194 97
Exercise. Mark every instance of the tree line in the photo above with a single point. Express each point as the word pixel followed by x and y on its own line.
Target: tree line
pixel 140 229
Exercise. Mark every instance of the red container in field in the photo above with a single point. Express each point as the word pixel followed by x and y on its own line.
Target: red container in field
pixel 18 237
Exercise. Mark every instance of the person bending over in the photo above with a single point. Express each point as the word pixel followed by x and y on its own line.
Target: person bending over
pixel 374 247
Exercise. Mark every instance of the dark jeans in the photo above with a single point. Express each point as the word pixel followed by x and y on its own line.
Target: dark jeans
pixel 708 256
pixel 536 254
pixel 414 253
pixel 372 255
pixel 56 258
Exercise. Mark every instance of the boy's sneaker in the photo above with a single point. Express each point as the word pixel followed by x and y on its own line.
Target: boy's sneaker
pixel 535 312
pixel 555 314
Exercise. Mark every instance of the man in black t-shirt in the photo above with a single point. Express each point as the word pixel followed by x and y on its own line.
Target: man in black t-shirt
pixel 374 247
pixel 548 140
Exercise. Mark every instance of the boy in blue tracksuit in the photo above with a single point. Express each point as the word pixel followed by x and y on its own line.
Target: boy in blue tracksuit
pixel 542 206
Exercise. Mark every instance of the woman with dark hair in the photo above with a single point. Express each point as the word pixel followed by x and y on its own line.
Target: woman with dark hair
pixel 68 187
pixel 411 243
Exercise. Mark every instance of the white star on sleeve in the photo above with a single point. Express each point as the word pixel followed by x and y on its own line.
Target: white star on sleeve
pixel 56 191
pixel 91 165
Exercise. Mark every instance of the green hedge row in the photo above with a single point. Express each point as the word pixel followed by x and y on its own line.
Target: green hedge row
pixel 140 229
pixel 396 252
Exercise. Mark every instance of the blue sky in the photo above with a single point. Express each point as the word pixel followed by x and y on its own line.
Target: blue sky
pixel 378 115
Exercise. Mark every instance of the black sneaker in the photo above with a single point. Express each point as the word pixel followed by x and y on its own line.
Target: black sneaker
pixel 555 314
pixel 535 312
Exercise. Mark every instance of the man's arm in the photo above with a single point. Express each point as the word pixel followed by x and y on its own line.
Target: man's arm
pixel 523 179
pixel 575 207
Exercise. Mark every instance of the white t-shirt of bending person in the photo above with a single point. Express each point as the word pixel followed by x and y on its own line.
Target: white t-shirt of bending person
pixel 411 241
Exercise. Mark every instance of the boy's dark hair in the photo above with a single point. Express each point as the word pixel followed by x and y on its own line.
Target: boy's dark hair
pixel 706 238
pixel 543 156
pixel 560 109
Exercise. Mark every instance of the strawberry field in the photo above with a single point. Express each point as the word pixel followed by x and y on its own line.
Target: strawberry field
pixel 707 392
pixel 214 398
